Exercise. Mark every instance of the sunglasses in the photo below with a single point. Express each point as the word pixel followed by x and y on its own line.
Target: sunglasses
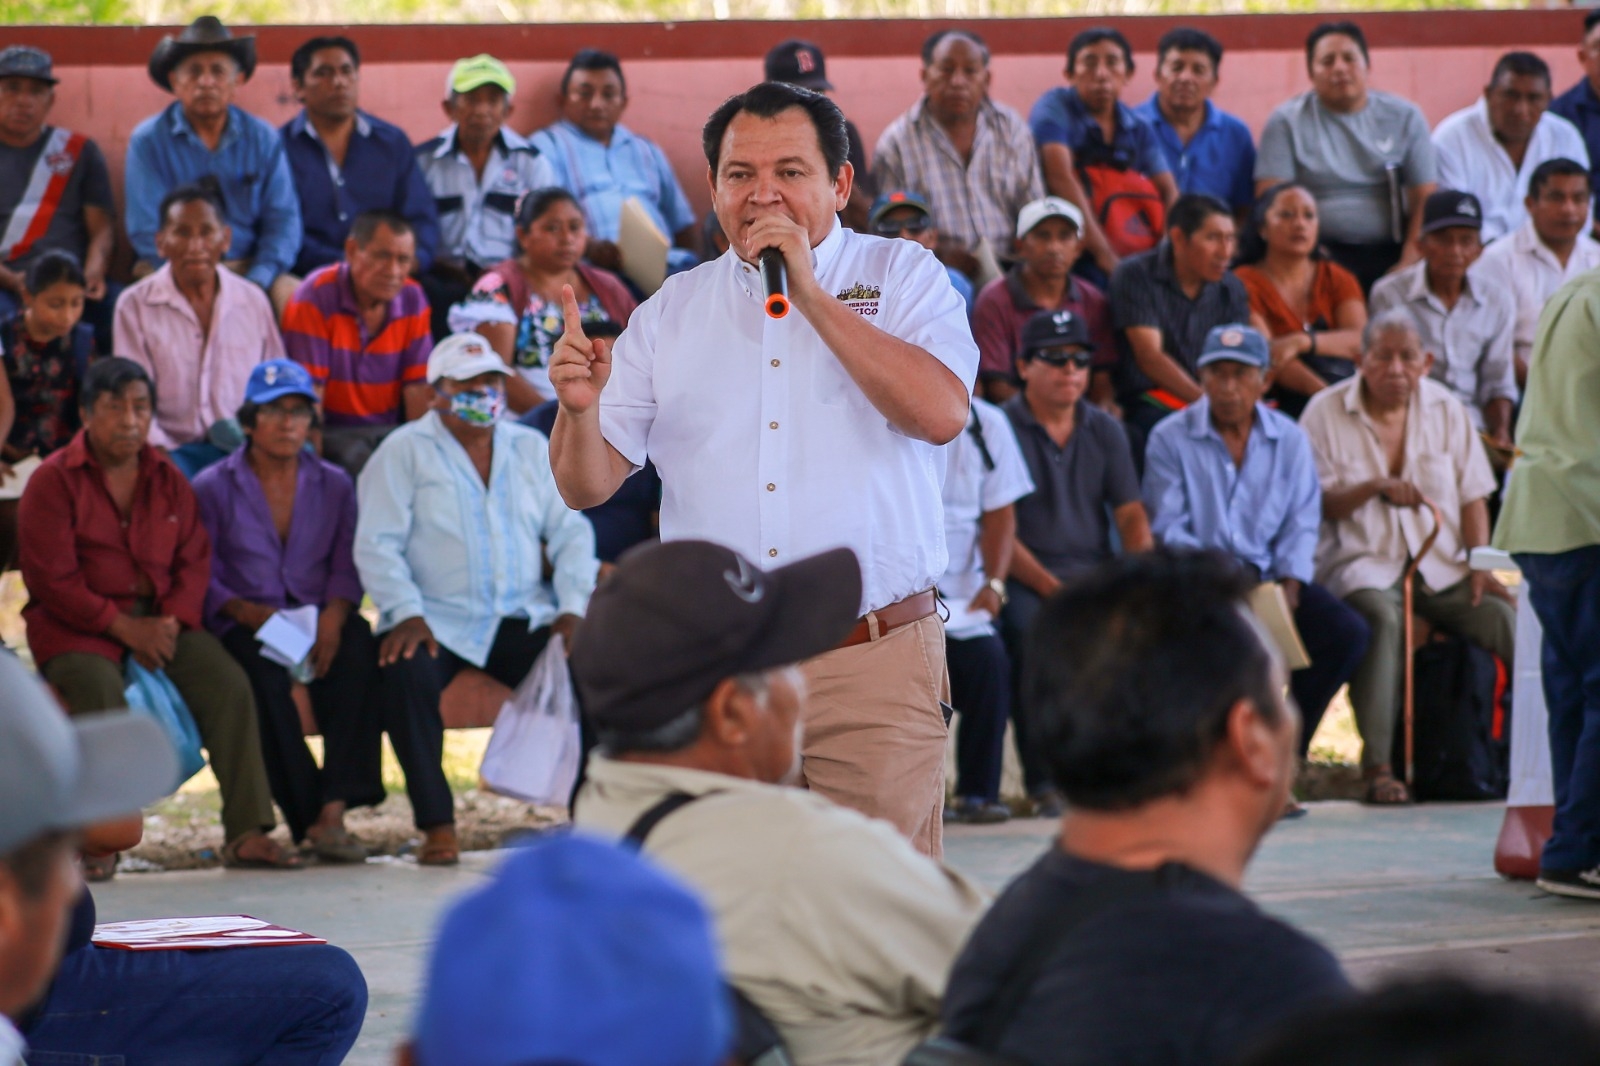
pixel 1062 356
pixel 910 225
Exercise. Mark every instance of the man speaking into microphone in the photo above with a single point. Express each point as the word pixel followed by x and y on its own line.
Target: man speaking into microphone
pixel 783 436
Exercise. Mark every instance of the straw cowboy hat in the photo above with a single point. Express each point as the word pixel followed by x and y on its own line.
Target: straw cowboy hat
pixel 204 34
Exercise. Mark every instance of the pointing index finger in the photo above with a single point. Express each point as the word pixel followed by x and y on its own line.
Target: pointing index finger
pixel 572 318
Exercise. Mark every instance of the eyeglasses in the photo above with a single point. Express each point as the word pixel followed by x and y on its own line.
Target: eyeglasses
pixel 886 228
pixel 1059 357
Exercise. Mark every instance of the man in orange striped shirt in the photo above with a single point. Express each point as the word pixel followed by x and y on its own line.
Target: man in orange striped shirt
pixel 361 328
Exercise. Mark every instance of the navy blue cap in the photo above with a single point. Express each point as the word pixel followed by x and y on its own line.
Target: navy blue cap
pixel 577 951
pixel 1235 343
pixel 25 61
pixel 1055 329
pixel 893 198
pixel 278 377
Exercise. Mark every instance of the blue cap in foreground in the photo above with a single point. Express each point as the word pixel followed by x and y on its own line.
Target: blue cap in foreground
pixel 277 378
pixel 1235 343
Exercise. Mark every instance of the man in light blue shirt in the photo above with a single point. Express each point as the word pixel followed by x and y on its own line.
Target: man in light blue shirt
pixel 202 136
pixel 1211 151
pixel 1230 474
pixel 603 163
pixel 455 508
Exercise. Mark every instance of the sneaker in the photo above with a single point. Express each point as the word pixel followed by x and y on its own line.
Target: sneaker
pixel 1048 803
pixel 984 812
pixel 1579 884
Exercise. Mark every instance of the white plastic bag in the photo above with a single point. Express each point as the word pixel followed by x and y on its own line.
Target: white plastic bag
pixel 534 751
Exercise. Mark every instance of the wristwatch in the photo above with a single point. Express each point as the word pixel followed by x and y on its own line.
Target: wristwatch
pixel 998 587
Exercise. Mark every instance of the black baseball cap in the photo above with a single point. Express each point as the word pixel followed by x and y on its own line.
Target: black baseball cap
pixel 1047 330
pixel 677 617
pixel 799 63
pixel 25 61
pixel 1449 208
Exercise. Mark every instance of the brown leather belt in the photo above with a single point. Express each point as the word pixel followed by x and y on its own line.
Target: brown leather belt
pixel 913 608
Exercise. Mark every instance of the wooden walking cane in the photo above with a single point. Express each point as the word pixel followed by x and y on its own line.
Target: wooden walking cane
pixel 1410 655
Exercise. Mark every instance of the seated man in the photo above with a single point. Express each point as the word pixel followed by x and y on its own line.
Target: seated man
pixel 1165 301
pixel 984 478
pixel 1049 238
pixel 603 163
pixel 1580 105
pixel 802 63
pixel 1083 473
pixel 1094 148
pixel 204 136
pixel 1387 441
pixel 458 511
pixel 626 969
pixel 973 157
pixel 1211 151
pixel 1550 249
pixel 55 190
pixel 1231 474
pixel 477 170
pixel 687 669
pixel 905 214
pixel 116 562
pixel 1159 701
pixel 344 161
pixel 198 330
pixel 1492 148
pixel 1467 327
pixel 282 523
pixel 361 327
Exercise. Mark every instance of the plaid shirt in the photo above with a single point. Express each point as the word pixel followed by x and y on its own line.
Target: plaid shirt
pixel 971 200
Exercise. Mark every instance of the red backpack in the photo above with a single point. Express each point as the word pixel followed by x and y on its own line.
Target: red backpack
pixel 1125 202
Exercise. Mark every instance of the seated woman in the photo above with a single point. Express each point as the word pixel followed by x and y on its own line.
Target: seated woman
pixel 1312 306
pixel 282 523
pixel 516 305
pixel 47 350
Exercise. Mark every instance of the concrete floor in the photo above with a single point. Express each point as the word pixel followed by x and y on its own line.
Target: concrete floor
pixel 1391 891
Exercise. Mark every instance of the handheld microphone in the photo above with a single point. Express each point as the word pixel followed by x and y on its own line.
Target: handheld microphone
pixel 775 281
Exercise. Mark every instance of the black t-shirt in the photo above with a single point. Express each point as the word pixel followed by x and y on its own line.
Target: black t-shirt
pixel 1189 974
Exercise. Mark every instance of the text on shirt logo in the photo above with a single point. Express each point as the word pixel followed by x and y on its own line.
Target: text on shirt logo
pixel 862 299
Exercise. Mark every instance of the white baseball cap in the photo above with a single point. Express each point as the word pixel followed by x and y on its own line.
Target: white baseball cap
pixel 1050 207
pixel 462 357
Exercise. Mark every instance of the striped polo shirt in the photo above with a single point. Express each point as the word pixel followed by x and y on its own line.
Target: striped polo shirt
pixel 361 376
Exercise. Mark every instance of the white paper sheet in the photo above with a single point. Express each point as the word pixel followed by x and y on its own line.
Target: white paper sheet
pixel 288 635
pixel 20 473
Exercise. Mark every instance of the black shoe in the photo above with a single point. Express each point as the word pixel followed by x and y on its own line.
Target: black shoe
pixel 1048 803
pixel 971 811
pixel 1578 884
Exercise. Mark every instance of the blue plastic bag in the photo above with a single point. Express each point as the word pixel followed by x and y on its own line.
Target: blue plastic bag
pixel 151 692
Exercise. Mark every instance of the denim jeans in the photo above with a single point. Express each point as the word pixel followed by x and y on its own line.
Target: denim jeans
pixel 299 1005
pixel 1565 591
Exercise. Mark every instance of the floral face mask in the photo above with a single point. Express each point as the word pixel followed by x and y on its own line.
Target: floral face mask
pixel 479 407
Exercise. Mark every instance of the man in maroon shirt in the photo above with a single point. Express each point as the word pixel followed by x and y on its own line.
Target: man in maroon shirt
pixel 1049 240
pixel 117 563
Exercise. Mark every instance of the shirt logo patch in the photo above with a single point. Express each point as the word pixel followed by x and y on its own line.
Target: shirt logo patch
pixel 58 162
pixel 862 299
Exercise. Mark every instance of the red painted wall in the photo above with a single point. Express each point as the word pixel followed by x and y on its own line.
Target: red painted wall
pixel 677 73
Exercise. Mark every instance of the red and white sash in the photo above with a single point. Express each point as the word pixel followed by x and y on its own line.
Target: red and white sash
pixel 31 220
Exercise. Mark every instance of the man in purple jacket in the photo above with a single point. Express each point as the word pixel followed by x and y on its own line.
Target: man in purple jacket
pixel 282 523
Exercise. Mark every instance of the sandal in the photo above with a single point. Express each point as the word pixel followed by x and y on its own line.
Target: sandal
pixel 1386 790
pixel 337 845
pixel 278 857
pixel 439 848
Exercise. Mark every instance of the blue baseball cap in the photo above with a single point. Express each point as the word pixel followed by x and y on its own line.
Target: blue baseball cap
pixel 891 199
pixel 276 378
pixel 1235 343
pixel 577 951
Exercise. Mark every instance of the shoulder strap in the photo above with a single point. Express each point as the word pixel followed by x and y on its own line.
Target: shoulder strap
pixel 975 427
pixel 648 821
pixel 1001 1009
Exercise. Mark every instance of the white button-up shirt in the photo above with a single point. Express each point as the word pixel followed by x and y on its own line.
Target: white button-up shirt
pixel 434 541
pixel 1470 342
pixel 984 471
pixel 12 1046
pixel 1471 160
pixel 1443 457
pixel 764 442
pixel 1523 267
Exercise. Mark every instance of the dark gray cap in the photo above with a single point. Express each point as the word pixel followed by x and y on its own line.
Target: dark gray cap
pixel 68 773
pixel 26 61
pixel 676 618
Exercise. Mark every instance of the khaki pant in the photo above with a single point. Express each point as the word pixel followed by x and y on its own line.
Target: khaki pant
pixel 875 734
pixel 218 695
pixel 1375 694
